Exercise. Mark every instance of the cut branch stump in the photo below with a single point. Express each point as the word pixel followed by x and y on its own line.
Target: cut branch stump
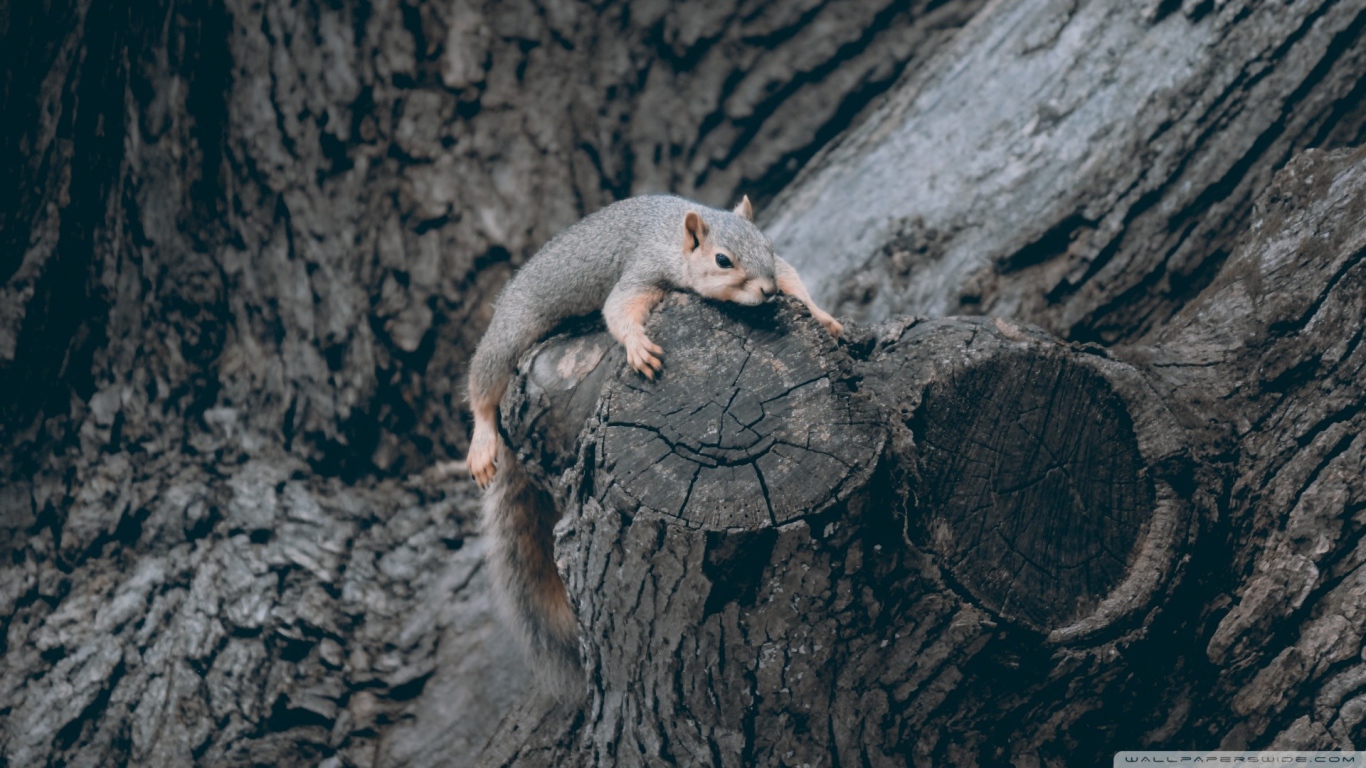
pixel 784 539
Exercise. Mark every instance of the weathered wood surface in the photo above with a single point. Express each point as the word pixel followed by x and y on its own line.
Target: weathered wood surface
pixel 1270 359
pixel 752 426
pixel 1048 478
pixel 1083 166
pixel 306 628
pixel 756 620
pixel 245 249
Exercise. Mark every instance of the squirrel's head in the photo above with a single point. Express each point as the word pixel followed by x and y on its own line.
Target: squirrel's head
pixel 727 258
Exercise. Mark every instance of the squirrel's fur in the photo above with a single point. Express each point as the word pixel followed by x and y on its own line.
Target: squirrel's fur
pixel 620 261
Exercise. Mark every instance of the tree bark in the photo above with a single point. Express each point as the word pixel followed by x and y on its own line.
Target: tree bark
pixel 1270 360
pixel 1086 167
pixel 805 590
pixel 246 249
pixel 1059 554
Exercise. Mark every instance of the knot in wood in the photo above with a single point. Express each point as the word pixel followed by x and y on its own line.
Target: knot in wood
pixel 753 421
pixel 1038 494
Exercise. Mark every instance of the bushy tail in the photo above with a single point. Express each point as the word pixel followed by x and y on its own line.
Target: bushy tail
pixel 520 519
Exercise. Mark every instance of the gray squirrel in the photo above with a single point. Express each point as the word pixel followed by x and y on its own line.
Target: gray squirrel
pixel 622 261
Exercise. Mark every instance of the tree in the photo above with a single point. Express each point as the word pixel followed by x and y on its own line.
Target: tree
pixel 247 250
pixel 249 247
pixel 1035 551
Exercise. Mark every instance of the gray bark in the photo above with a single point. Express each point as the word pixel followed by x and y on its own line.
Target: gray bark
pixel 1270 359
pixel 1083 166
pixel 246 248
pixel 1060 554
pixel 759 582
pixel 245 252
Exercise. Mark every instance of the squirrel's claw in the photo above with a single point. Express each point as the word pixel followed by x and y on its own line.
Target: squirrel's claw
pixel 641 355
pixel 831 324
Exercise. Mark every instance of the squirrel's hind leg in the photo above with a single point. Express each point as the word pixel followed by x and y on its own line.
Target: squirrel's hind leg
pixel 485 441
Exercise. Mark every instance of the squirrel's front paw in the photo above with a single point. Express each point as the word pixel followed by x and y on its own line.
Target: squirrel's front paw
pixel 483 449
pixel 641 354
pixel 831 324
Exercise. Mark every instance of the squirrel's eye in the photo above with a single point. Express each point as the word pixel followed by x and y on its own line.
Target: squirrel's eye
pixel 723 261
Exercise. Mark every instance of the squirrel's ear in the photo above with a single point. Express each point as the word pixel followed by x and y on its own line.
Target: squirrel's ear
pixel 694 231
pixel 744 210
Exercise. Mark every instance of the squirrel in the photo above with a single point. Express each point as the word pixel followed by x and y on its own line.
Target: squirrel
pixel 621 261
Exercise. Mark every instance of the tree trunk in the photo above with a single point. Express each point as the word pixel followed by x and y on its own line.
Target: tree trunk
pixel 1054 557
pixel 246 249
pixel 806 592
pixel 1084 166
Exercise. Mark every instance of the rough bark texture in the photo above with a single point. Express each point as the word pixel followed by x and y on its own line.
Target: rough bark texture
pixel 1084 166
pixel 776 620
pixel 1100 554
pixel 246 248
pixel 245 251
pixel 1270 356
